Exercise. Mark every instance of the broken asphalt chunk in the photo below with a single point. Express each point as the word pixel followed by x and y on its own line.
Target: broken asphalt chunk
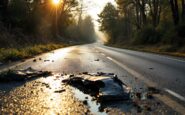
pixel 97 60
pixel 104 88
pixel 22 75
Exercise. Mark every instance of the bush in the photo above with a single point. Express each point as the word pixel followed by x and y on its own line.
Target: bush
pixel 169 37
pixel 147 35
pixel 168 48
pixel 175 36
pixel 181 30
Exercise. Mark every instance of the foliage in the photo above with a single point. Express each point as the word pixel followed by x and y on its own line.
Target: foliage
pixel 148 35
pixel 29 22
pixel 108 20
pixel 145 22
pixel 82 31
pixel 87 29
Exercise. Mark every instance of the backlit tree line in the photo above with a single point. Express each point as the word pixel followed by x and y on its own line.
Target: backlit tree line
pixel 144 22
pixel 37 20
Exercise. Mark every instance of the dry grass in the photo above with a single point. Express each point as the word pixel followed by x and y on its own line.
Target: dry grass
pixel 14 54
pixel 159 49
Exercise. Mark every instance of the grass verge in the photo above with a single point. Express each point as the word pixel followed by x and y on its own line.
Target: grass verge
pixel 15 54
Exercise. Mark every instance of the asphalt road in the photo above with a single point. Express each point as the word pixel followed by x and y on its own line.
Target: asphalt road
pixel 166 73
pixel 163 71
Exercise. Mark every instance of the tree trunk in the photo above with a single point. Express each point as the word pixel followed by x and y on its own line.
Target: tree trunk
pixel 142 8
pixel 138 21
pixel 155 10
pixel 183 10
pixel 175 11
pixel 4 7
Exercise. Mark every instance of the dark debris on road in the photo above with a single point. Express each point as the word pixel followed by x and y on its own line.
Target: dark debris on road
pixel 106 89
pixel 22 75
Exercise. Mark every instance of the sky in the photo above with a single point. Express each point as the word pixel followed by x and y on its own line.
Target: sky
pixel 94 7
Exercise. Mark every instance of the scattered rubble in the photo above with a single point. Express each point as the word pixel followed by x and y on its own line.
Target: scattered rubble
pixel 46 84
pixel 34 60
pixel 60 91
pixel 144 101
pixel 151 68
pixel 97 60
pixel 22 75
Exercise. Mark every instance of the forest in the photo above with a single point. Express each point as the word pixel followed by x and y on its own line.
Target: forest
pixel 156 25
pixel 28 22
pixel 31 27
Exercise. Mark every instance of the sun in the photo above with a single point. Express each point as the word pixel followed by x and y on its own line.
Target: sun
pixel 56 2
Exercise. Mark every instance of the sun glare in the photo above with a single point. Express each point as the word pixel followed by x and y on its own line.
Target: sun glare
pixel 56 2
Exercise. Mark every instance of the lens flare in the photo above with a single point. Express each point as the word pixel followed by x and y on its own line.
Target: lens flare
pixel 56 2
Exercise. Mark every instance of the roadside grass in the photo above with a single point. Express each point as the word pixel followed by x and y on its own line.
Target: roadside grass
pixel 15 54
pixel 159 49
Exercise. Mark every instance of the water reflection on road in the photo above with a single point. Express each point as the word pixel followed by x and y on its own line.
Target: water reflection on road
pixel 41 97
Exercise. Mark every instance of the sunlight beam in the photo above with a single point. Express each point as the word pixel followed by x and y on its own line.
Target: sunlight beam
pixel 56 2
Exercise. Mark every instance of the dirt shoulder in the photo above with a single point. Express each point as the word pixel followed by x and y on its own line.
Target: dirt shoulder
pixel 158 49
pixel 8 55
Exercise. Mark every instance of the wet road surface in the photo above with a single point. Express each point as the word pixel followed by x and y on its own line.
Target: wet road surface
pixel 167 72
pixel 136 69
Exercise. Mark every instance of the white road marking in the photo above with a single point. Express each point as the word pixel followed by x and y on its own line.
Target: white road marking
pixel 110 58
pixel 175 94
pixel 148 82
pixel 131 71
pixel 103 54
pixel 160 55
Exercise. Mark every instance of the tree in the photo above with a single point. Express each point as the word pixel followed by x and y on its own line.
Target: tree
pixel 108 20
pixel 17 13
pixel 140 10
pixel 65 14
pixel 3 7
pixel 87 29
pixel 183 10
pixel 175 11
pixel 155 10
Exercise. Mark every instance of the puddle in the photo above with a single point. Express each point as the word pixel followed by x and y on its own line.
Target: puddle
pixel 93 105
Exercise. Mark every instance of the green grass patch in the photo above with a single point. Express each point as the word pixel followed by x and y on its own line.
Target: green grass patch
pixel 14 54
